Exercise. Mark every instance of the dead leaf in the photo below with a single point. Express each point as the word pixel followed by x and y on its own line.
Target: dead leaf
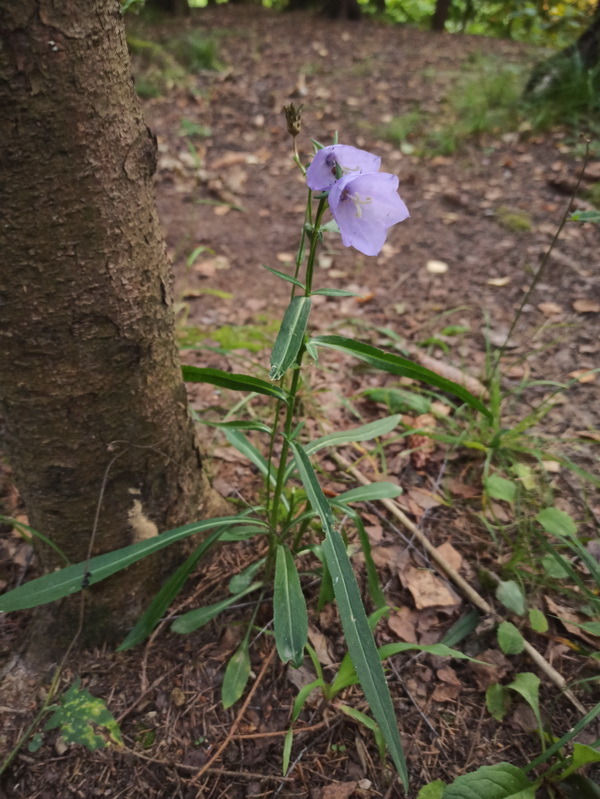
pixel 177 697
pixel 339 790
pixel 320 644
pixel 566 615
pixel 448 675
pixel 499 282
pixel 402 623
pixel 586 306
pixel 427 589
pixel 594 435
pixel 499 666
pixel 229 159
pixel 445 693
pixel 436 267
pixel 450 555
pixel 550 308
pixel 583 375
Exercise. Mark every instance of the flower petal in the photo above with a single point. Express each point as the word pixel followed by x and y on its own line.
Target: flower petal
pixel 321 175
pixel 364 207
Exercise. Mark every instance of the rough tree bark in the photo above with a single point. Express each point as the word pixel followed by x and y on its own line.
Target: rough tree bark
pixel 90 386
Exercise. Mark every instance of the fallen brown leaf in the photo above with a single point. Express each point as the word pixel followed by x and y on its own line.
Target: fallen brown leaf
pixel 339 790
pixel 450 555
pixel 427 589
pixel 499 666
pixel 402 623
pixel 586 306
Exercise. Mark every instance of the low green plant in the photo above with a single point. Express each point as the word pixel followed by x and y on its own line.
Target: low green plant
pixel 298 523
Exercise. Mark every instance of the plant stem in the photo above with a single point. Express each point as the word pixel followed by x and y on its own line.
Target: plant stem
pixel 293 390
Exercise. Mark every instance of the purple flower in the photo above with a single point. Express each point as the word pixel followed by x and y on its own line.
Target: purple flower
pixel 364 207
pixel 322 173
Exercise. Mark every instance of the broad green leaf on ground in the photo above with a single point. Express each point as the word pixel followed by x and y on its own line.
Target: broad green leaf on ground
pixel 290 337
pixel 84 719
pixel 290 619
pixel 396 365
pixel 502 781
pixel 497 701
pixel 232 381
pixel 70 580
pixel 510 639
pixel 148 620
pixel 510 595
pixel 236 676
pixel 538 620
pixel 359 638
pixel 500 488
pixel 433 790
pixel 194 619
pixel 557 522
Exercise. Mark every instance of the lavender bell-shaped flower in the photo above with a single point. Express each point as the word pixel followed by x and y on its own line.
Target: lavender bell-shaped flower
pixel 364 207
pixel 329 162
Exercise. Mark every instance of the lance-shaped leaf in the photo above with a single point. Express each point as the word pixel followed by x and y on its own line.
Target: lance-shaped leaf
pixel 194 619
pixel 290 337
pixel 284 276
pixel 359 638
pixel 290 618
pixel 71 579
pixel 396 365
pixel 236 676
pixel 232 381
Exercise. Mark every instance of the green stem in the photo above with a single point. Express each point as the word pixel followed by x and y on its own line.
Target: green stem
pixel 293 391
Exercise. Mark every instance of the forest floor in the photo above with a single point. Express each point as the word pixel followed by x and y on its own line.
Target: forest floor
pixel 446 287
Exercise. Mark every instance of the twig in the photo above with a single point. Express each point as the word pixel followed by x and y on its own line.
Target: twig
pixel 469 592
pixel 238 719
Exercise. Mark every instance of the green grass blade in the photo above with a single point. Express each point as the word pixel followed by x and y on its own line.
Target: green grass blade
pixel 368 493
pixel 260 427
pixel 290 336
pixel 232 381
pixel 396 365
pixel 359 638
pixel 289 609
pixel 148 620
pixel 70 580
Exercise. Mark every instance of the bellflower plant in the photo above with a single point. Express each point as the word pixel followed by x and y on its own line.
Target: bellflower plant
pixel 296 521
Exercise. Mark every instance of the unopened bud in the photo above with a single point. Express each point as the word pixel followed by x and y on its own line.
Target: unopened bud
pixel 293 118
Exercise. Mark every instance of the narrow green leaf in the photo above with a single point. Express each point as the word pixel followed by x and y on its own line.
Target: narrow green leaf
pixel 70 580
pixel 399 400
pixel 509 593
pixel 239 582
pixel 387 650
pixel 510 639
pixel 287 751
pixel 502 781
pixel 396 365
pixel 582 755
pixel 290 337
pixel 194 619
pixel 284 276
pixel 336 293
pixel 236 676
pixel 148 620
pixel 290 618
pixel 366 432
pixel 461 628
pixel 359 638
pixel 260 427
pixel 368 493
pixel 232 381
pixel 372 573
pixel 303 695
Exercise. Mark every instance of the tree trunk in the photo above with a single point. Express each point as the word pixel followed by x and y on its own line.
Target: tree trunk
pixel 172 7
pixel 440 15
pixel 90 386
